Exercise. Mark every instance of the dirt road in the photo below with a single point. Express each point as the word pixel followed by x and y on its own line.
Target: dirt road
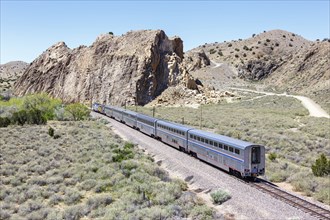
pixel 314 109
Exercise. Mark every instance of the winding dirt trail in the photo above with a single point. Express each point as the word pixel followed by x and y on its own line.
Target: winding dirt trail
pixel 314 109
pixel 216 64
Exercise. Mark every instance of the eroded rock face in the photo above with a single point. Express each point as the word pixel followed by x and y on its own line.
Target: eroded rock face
pixel 196 60
pixel 137 66
pixel 257 69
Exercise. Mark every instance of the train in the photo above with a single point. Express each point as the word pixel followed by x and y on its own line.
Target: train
pixel 240 158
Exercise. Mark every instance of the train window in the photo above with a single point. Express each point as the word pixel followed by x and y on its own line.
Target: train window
pixel 198 138
pixel 216 144
pixel 225 147
pixel 220 145
pixel 231 149
pixel 202 139
pixel 211 142
pixel 236 151
pixel 191 136
pixel 206 141
pixel 255 155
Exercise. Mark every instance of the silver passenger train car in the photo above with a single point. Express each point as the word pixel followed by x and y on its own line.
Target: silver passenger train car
pixel 235 156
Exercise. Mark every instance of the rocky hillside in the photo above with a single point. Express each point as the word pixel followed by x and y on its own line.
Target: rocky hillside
pixel 114 69
pixel 279 59
pixel 9 73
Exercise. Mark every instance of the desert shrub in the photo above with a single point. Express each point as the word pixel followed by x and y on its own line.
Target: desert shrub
pixel 51 131
pixel 4 214
pixel 245 47
pixel 220 196
pixel 272 156
pixel 123 154
pixel 99 201
pixel 321 167
pixel 229 45
pixel 56 136
pixel 19 117
pixel 4 122
pixel 323 196
pixel 220 53
pixel 55 199
pixel 202 212
pixel 29 207
pixel 212 51
pixel 72 197
pixel 35 116
pixel 75 212
pixel 78 111
pixel 87 184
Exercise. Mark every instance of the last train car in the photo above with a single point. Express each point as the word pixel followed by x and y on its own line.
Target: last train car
pixel 235 156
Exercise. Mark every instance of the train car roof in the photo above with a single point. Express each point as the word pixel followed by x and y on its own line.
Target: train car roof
pixel 147 117
pixel 174 125
pixel 114 107
pixel 130 112
pixel 223 139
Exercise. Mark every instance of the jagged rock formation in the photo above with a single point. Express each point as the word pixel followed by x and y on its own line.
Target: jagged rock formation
pixel 9 73
pixel 197 60
pixel 137 66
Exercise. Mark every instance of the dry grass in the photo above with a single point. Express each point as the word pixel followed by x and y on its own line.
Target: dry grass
pixel 75 176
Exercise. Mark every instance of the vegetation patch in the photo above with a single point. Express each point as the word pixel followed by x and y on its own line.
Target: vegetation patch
pixel 87 173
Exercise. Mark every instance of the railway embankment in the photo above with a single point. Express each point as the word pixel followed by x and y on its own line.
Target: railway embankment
pixel 246 202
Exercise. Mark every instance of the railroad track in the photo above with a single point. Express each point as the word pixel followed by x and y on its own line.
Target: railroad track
pixel 293 200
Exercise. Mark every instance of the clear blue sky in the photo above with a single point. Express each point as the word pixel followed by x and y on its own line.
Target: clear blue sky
pixel 29 27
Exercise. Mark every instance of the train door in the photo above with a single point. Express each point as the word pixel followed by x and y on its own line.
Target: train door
pixel 255 160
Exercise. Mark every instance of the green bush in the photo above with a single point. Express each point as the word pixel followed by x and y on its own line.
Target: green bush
pixel 51 131
pixel 123 154
pixel 321 167
pixel 272 156
pixel 42 102
pixel 220 196
pixel 4 122
pixel 78 111
pixel 19 117
pixel 35 116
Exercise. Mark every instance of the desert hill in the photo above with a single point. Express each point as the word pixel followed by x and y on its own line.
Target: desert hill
pixel 10 72
pixel 277 59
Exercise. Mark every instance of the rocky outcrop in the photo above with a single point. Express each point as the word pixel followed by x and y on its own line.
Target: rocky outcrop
pixel 135 67
pixel 9 73
pixel 257 69
pixel 196 60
